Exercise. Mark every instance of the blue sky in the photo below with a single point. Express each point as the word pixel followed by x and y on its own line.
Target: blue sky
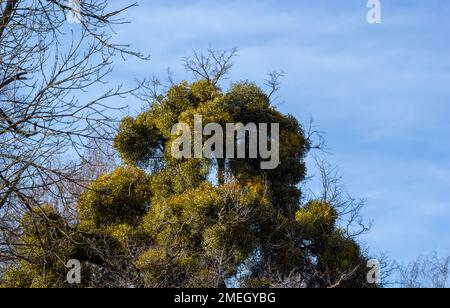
pixel 380 92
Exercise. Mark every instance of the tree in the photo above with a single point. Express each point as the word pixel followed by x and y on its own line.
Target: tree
pixel 159 221
pixel 47 111
pixel 46 66
pixel 425 272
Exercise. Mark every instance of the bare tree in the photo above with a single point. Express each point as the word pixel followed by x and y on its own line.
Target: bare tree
pixel 97 159
pixel 212 66
pixel 48 68
pixel 332 191
pixel 273 82
pixel 425 272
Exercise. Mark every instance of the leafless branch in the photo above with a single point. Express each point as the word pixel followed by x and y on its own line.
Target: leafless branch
pixel 48 112
pixel 212 66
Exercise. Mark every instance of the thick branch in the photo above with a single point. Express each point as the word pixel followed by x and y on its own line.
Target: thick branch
pixel 19 76
pixel 6 15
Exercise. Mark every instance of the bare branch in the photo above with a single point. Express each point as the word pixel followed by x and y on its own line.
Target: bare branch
pixel 274 82
pixel 212 66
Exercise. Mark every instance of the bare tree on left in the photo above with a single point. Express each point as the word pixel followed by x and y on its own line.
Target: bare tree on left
pixel 48 111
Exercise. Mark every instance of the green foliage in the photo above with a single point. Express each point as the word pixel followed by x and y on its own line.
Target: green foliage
pixel 46 245
pixel 177 226
pixel 120 198
pixel 341 253
pixel 138 139
pixel 317 218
